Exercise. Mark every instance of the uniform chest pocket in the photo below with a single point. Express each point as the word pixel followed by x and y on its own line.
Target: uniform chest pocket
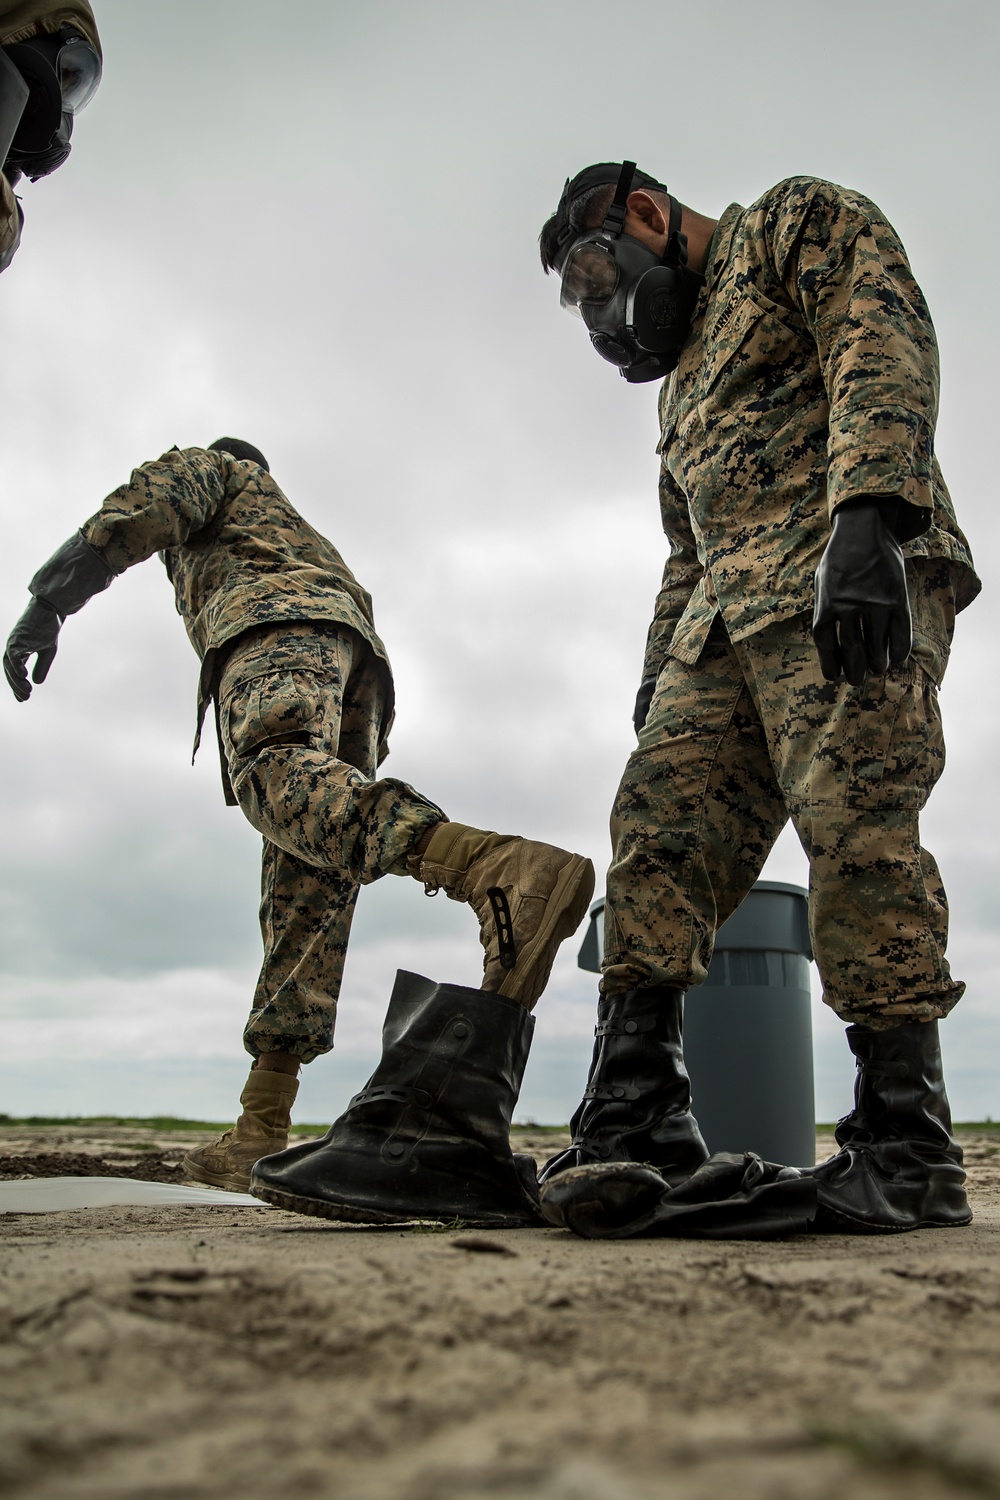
pixel 759 370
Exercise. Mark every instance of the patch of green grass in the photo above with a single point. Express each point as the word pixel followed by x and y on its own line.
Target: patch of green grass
pixel 135 1122
pixel 174 1122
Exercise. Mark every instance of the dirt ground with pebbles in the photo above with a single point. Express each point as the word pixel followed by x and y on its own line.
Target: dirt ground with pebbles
pixel 181 1353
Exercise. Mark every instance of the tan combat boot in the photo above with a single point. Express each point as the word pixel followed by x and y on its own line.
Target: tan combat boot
pixel 261 1130
pixel 528 898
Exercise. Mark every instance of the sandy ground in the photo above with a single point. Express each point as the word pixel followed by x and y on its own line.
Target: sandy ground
pixel 225 1352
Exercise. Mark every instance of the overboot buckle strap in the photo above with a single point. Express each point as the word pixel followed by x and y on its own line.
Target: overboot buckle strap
pixel 632 1027
pixel 420 1097
pixel 610 1091
pixel 419 1102
pixel 595 1148
pixel 883 1069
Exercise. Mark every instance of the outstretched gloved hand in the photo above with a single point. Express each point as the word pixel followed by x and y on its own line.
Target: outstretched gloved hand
pixel 72 575
pixel 861 620
pixel 35 634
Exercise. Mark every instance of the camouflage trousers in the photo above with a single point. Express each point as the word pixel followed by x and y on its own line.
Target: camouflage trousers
pixel 750 736
pixel 300 712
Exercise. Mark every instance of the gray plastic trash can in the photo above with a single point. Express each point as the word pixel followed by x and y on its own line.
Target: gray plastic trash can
pixel 748 1028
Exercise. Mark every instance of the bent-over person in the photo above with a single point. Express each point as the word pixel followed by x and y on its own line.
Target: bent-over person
pixel 303 701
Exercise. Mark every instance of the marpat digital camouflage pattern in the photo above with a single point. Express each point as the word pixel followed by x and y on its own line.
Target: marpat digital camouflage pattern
pixel 303 697
pixel 304 703
pixel 237 553
pixel 810 377
pixel 751 735
pixel 300 712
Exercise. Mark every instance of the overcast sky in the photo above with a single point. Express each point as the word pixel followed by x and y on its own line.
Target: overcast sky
pixel 313 225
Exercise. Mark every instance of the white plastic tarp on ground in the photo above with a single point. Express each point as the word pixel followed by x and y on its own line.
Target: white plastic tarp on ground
pixel 41 1195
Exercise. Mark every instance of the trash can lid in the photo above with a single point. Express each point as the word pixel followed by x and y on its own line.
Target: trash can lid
pixel 773 917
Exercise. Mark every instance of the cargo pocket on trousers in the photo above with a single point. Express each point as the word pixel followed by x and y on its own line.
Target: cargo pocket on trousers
pixel 275 706
pixel 898 750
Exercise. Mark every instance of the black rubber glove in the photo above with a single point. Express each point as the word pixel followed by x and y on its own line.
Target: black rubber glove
pixel 643 699
pixel 35 633
pixel 70 577
pixel 861 620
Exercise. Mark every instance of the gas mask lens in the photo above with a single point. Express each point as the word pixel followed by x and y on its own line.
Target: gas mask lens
pixel 589 275
pixel 79 73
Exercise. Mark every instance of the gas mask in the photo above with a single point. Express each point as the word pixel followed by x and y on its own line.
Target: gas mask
pixel 637 306
pixel 62 71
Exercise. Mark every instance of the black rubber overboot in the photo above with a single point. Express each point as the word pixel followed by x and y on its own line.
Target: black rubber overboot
pixel 428 1137
pixel 637 1103
pixel 730 1197
pixel 899 1166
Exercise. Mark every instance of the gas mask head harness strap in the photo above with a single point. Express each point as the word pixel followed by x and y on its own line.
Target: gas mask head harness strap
pixel 62 71
pixel 637 306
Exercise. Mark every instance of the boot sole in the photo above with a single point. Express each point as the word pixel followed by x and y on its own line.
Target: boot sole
pixel 845 1224
pixel 322 1208
pixel 564 911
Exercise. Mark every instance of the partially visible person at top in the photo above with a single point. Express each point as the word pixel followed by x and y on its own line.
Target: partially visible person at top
pixel 50 69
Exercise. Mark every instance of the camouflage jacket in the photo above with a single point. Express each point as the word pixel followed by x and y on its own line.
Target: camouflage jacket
pixel 810 376
pixel 236 552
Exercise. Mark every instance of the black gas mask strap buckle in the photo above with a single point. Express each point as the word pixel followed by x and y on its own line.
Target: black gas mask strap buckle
pixel 614 219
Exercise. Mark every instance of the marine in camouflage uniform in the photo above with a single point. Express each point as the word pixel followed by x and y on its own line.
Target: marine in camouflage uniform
pixel 808 380
pixel 303 694
pixel 303 699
